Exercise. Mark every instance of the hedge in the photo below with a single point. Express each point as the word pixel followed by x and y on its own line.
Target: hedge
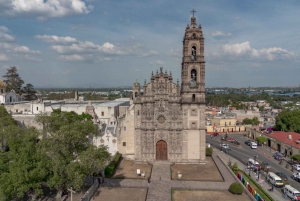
pixel 209 151
pixel 110 169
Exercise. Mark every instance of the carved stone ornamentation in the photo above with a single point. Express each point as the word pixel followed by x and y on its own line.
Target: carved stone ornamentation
pixel 169 121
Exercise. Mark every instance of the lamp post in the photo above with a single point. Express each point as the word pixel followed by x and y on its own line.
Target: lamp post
pixel 255 157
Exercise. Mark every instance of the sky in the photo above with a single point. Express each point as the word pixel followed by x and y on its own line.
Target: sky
pixel 113 43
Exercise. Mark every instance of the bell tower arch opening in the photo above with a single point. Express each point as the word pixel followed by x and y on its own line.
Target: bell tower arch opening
pixel 193 57
pixel 193 78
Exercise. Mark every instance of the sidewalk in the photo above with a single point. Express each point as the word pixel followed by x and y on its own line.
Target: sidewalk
pixel 278 196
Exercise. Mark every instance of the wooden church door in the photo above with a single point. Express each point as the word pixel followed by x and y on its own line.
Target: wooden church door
pixel 161 150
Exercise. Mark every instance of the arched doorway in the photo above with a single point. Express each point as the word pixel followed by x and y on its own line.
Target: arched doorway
pixel 161 150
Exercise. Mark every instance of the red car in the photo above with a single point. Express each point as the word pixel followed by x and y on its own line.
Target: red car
pixel 215 134
pixel 230 139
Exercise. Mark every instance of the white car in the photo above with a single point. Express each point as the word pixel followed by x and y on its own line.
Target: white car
pixel 225 146
pixel 297 167
pixel 253 145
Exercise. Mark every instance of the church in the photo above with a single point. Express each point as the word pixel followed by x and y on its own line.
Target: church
pixel 167 120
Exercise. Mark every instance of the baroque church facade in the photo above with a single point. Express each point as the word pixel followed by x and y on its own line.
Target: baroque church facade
pixel 167 121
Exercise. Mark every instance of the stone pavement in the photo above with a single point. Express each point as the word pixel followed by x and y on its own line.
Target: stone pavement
pixel 159 188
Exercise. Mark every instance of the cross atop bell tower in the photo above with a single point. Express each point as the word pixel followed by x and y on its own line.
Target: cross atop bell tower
pixel 193 19
pixel 193 11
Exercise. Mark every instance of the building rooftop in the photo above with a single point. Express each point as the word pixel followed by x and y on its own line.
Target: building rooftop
pixel 290 138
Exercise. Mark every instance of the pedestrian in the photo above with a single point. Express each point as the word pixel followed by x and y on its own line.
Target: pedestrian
pixel 272 188
pixel 149 181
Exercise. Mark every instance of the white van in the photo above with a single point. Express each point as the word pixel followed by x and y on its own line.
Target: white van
pixel 253 145
pixel 291 192
pixel 274 179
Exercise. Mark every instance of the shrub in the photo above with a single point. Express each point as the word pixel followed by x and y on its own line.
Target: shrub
pixel 236 188
pixel 235 168
pixel 261 139
pixel 296 157
pixel 110 169
pixel 209 151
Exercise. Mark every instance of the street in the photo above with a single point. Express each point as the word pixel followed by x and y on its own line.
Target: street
pixel 244 152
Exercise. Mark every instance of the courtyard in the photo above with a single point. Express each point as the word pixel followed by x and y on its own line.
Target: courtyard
pixel 128 170
pixel 120 194
pixel 201 195
pixel 197 172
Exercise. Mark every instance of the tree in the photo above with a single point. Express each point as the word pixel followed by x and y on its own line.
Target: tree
pixel 8 127
pixel 25 167
pixel 73 158
pixel 12 80
pixel 288 120
pixel 29 92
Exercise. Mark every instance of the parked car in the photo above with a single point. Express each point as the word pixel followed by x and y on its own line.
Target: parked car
pixel 225 146
pixel 231 139
pixel 253 145
pixel 265 166
pixel 259 144
pixel 278 156
pixel 297 167
pixel 215 134
pixel 296 176
pixel 248 142
pixel 282 176
pixel 254 165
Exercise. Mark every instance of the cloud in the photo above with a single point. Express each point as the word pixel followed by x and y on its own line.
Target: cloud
pixel 246 52
pixel 29 57
pixel 6 37
pixel 24 49
pixel 220 33
pixel 43 10
pixel 57 39
pixel 174 53
pixel 157 62
pixel 3 57
pixel 74 57
pixel 150 53
pixel 71 46
pixel 4 29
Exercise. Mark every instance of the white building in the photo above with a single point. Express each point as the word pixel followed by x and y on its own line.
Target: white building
pixel 104 114
pixel 7 97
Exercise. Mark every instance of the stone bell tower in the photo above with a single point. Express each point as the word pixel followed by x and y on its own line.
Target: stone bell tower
pixel 193 90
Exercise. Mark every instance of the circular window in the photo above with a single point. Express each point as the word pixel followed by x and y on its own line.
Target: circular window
pixel 161 119
pixel 114 141
pixel 102 141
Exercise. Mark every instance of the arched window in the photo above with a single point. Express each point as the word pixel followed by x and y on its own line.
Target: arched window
pixel 193 56
pixel 193 98
pixel 138 112
pixel 135 95
pixel 193 78
pixel 193 36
